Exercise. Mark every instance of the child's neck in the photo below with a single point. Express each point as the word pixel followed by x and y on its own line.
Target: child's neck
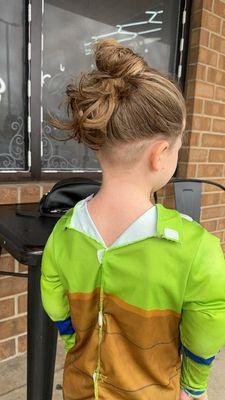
pixel 123 194
pixel 114 208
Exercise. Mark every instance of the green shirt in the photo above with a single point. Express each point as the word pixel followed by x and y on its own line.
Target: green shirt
pixel 141 317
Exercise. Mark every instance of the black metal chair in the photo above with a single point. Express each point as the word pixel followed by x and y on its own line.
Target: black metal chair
pixel 187 194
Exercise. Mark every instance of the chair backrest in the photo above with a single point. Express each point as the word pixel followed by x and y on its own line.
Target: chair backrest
pixel 187 194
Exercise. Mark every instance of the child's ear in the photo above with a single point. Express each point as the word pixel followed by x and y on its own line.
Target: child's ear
pixel 156 154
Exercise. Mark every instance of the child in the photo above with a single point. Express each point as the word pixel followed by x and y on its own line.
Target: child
pixel 131 284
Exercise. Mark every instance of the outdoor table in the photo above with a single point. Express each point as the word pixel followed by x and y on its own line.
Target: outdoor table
pixel 24 237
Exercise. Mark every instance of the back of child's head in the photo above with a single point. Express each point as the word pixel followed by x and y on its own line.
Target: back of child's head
pixel 122 101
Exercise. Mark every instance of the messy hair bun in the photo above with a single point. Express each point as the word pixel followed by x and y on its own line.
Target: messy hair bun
pixel 116 60
pixel 122 100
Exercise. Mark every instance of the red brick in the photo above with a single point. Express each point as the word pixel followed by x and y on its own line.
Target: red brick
pixel 194 54
pixel 211 22
pixel 169 202
pixel 8 194
pixel 23 268
pixel 201 72
pixel 6 308
pixel 204 90
pixel 216 76
pixel 221 224
pixel 219 8
pixel 206 187
pixel 13 327
pixel 192 71
pixel 12 285
pixel 191 139
pixel 213 140
pixel 190 89
pixel 204 37
pixel 210 170
pixel 220 93
pixel 198 155
pixel 186 169
pixel 160 193
pixel 219 126
pixel 213 188
pixel 217 156
pixel 186 137
pixel 183 154
pixel 30 193
pixel 214 108
pixel 209 225
pixel 207 56
pixel 217 43
pixel 189 122
pixel 22 344
pixel 199 37
pixel 197 71
pixel 169 189
pixel 201 123
pixel 7 263
pixel 221 62
pixel 194 106
pixel 2 277
pixel 213 212
pixel 222 197
pixel 223 29
pixel 7 349
pixel 22 303
pixel 218 234
pixel 48 186
pixel 196 20
pixel 207 4
pixel 194 139
pixel 210 199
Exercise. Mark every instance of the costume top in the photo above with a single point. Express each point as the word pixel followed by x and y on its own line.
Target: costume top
pixel 128 311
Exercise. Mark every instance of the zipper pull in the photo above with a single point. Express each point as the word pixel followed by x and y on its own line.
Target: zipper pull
pixel 100 318
pixel 94 376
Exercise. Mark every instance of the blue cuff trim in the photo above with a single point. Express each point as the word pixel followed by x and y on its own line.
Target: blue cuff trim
pixel 195 392
pixel 200 360
pixel 65 327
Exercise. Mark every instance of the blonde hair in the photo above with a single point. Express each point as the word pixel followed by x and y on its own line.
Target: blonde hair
pixel 123 100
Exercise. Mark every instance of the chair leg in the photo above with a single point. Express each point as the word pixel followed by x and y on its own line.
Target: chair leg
pixel 42 341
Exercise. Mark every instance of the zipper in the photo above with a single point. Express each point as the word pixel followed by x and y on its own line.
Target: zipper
pixel 97 375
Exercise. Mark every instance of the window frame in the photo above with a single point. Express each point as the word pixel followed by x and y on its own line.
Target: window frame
pixel 35 172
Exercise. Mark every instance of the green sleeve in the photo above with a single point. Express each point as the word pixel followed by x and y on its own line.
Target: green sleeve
pixel 53 294
pixel 202 327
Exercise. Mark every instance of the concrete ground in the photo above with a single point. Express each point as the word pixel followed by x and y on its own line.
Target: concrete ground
pixel 13 377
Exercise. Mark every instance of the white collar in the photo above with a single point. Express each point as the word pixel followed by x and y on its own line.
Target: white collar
pixel 142 227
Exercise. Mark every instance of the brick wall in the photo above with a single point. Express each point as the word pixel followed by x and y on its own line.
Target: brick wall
pixel 205 93
pixel 202 156
pixel 203 152
pixel 13 290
